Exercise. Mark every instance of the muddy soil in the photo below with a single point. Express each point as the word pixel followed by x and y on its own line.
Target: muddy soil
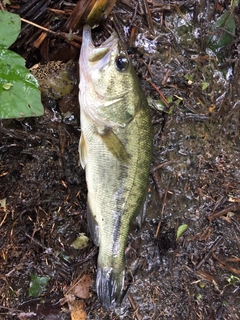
pixel 194 181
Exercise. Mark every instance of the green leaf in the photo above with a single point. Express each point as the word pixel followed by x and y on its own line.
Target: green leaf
pixel 189 77
pixel 181 229
pixel 204 85
pixel 199 296
pixel 37 285
pixel 222 31
pixel 19 93
pixel 10 58
pixel 10 26
pixel 233 279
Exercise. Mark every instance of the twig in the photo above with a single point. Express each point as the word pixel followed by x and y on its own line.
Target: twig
pixel 37 242
pixel 148 68
pixel 4 218
pixel 148 15
pixel 66 36
pixel 226 266
pixel 92 253
pixel 134 14
pixel 216 242
pixel 12 310
pixel 232 207
pixel 156 88
pixel 135 307
pixel 39 27
pixel 156 178
pixel 167 74
pixel 161 165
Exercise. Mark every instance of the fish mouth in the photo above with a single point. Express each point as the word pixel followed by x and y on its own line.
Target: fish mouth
pixel 98 55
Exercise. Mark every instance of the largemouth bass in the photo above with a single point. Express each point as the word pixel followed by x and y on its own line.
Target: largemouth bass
pixel 115 150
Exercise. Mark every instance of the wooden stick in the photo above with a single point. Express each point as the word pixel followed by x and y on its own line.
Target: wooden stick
pixel 232 207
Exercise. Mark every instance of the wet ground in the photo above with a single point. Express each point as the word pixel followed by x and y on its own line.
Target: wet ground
pixel 194 181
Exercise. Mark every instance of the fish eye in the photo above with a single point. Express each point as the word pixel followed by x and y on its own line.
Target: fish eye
pixel 121 63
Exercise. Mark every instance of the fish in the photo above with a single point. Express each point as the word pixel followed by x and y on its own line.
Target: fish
pixel 115 150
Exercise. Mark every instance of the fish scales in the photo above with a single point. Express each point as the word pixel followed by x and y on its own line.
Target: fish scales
pixel 115 150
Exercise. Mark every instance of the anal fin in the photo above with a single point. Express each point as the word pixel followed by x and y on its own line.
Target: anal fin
pixel 93 226
pixel 82 151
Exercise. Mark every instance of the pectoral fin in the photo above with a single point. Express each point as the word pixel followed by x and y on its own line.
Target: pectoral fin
pixel 82 151
pixel 115 146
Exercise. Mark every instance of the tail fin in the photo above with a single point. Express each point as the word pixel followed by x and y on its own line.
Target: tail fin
pixel 110 284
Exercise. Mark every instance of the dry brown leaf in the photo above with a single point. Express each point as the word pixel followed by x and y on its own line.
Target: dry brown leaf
pixel 77 310
pixel 81 289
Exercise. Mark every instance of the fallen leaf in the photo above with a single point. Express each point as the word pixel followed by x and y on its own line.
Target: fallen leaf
pixel 181 230
pixel 81 289
pixel 37 285
pixel 77 310
pixel 81 242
